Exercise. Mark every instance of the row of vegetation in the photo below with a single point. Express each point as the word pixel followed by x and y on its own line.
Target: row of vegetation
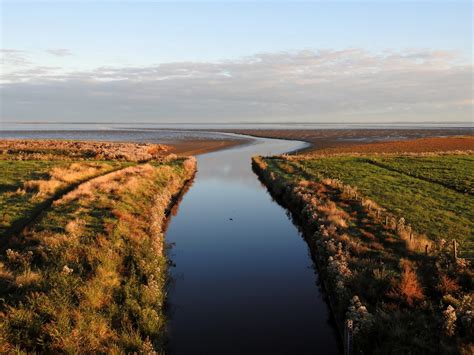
pixel 88 274
pixel 79 150
pixel 392 277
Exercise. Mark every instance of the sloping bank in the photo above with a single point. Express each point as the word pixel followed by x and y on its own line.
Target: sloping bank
pixel 387 294
pixel 89 275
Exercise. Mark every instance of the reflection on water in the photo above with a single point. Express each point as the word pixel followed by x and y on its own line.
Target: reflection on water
pixel 243 280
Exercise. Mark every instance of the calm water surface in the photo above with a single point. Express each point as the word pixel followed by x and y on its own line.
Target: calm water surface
pixel 243 280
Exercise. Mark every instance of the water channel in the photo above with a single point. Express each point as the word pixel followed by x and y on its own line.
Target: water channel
pixel 243 281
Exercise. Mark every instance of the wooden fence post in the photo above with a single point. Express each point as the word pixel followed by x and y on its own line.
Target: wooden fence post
pixel 455 250
pixel 348 333
pixel 426 249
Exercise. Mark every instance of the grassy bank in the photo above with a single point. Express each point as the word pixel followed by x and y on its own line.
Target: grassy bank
pixel 388 273
pixel 88 275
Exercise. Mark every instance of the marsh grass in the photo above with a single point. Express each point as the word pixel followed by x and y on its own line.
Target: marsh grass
pixel 89 275
pixel 18 149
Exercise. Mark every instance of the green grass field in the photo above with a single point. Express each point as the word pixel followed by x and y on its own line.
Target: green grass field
pixel 453 171
pixel 437 209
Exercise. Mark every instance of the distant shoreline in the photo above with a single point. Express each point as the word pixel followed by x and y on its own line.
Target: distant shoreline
pixel 195 142
pixel 36 126
pixel 338 138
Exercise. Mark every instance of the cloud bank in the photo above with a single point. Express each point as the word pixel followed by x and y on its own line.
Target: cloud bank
pixel 59 52
pixel 13 57
pixel 318 86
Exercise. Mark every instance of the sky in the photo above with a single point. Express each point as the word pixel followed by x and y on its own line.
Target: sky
pixel 247 61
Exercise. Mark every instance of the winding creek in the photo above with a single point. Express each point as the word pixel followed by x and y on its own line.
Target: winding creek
pixel 243 280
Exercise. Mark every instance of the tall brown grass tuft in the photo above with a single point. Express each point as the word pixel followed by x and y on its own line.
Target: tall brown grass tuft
pixel 5 274
pixel 75 227
pixel 448 285
pixel 75 171
pixel 334 215
pixel 27 278
pixel 43 188
pixel 415 242
pixel 409 288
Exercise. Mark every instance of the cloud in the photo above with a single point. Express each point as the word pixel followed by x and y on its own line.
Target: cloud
pixel 322 85
pixel 14 57
pixel 59 52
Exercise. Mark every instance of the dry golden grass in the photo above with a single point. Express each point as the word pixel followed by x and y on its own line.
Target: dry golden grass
pixel 335 215
pixel 113 183
pixel 447 285
pixel 60 177
pixel 409 287
pixel 5 274
pixel 75 227
pixel 60 149
pixel 416 242
pixel 27 278
pixel 42 188
pixel 75 172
